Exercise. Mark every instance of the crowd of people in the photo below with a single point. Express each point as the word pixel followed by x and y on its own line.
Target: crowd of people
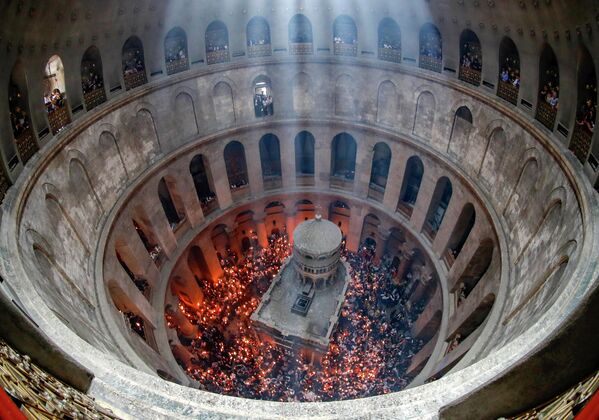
pixel 133 62
pixel 91 79
pixel 263 104
pixel 54 100
pixel 511 76
pixel 430 45
pixel 19 120
pixel 369 353
pixel 586 115
pixel 471 57
pixel 345 38
pixel 175 50
pixel 550 94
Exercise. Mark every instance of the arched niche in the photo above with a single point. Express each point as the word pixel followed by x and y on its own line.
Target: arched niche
pixel 389 40
pixel 438 207
pixel 430 48
pixel 92 78
pixel 133 63
pixel 217 43
pixel 149 242
pixel 270 160
pixel 304 158
pixel 381 161
pixel 171 202
pixel 509 71
pixel 460 234
pixel 548 100
pixel 175 51
pixel 460 132
pixel 410 186
pixel 370 230
pixel 55 95
pixel 471 58
pixel 586 105
pixel 258 37
pixel 340 213
pixel 425 115
pixel 300 35
pixel 18 106
pixel 343 159
pixel 199 168
pixel 236 166
pixel 345 36
pixel 263 100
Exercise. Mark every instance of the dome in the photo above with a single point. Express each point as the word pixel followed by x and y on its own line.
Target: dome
pixel 161 161
pixel 317 237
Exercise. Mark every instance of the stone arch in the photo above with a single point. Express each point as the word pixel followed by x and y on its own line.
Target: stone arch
pixel 107 141
pixel 224 105
pixel 471 58
pixel 304 153
pixel 300 35
pixel 461 232
pixel 199 168
pixel 133 63
pixel 144 131
pixel 345 36
pixel 176 56
pixel 171 201
pixel 258 37
pixel 524 188
pixel 235 163
pixel 411 185
pixel 370 229
pixel 438 206
pixel 495 149
pixel 217 43
pixel 185 113
pixel 344 97
pixel 548 97
pixel 387 103
pixel 509 71
pixel 389 40
pixel 270 156
pixel 82 186
pixel 461 129
pixel 18 105
pixel 303 101
pixel 431 48
pixel 424 118
pixel 92 78
pixel 343 156
pixel 381 162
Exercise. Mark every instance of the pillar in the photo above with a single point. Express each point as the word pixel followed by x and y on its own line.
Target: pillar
pixel 212 262
pixel 219 176
pixel 356 221
pixel 290 224
pixel 405 262
pixel 261 230
pixel 189 197
pixel 364 156
pixel 254 166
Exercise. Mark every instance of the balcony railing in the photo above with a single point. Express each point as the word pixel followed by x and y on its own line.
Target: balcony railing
pixel 390 54
pixel 303 180
pixel 508 91
pixel 215 57
pixel 546 114
pixel 301 48
pixel 94 98
pixel 469 75
pixel 59 118
pixel 347 50
pixel 133 80
pixel 177 66
pixel 26 145
pixel 259 50
pixel 581 142
pixel 430 63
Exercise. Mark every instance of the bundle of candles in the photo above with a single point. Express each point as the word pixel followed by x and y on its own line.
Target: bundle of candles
pixel 369 353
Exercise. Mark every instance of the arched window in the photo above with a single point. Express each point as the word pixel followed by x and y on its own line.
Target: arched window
pixel 55 95
pixel 370 228
pixel 258 37
pixel 460 234
pixel 92 78
pixel 343 159
pixel 134 64
pixel 410 186
pixel 300 35
pixel 460 131
pixel 168 205
pixel 154 250
pixel 471 58
pixel 509 71
pixel 389 41
pixel 263 102
pixel 586 107
pixel 217 43
pixel 18 105
pixel 431 48
pixel 236 166
pixel 345 36
pixel 548 88
pixel 381 160
pixel 270 158
pixel 204 184
pixel 477 267
pixel 175 51
pixel 304 157
pixel 438 207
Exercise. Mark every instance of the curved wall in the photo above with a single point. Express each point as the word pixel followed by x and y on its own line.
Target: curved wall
pixel 61 207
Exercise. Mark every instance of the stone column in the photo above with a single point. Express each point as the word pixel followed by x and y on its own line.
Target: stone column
pixel 287 160
pixel 356 221
pixel 363 168
pixel 322 161
pixel 219 176
pixel 254 166
pixel 290 224
pixel 405 262
pixel 381 243
pixel 396 173
pixel 261 230
pixel 212 262
pixel 187 328
pixel 233 241
pixel 160 226
pixel 189 197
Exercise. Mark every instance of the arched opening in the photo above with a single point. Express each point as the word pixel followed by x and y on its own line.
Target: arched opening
pixel 198 266
pixel 55 95
pixel 140 282
pixel 175 51
pixel 431 48
pixel 304 158
pixel 410 186
pixel 304 210
pixel 425 115
pixel 394 242
pixel 438 207
pixel 460 234
pixel 237 172
pixel 548 101
pixel 221 241
pixel 258 37
pixel 389 41
pixel 509 71
pixel 18 105
pixel 381 161
pixel 471 58
pixel 460 132
pixel 263 102
pixel 270 159
pixel 217 43
pixel 477 267
pixel 345 36
pixel 370 230
pixel 150 243
pixel 204 184
pixel 134 64
pixel 173 214
pixel 92 78
pixel 586 105
pixel 340 213
pixel 300 35
pixel 343 161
